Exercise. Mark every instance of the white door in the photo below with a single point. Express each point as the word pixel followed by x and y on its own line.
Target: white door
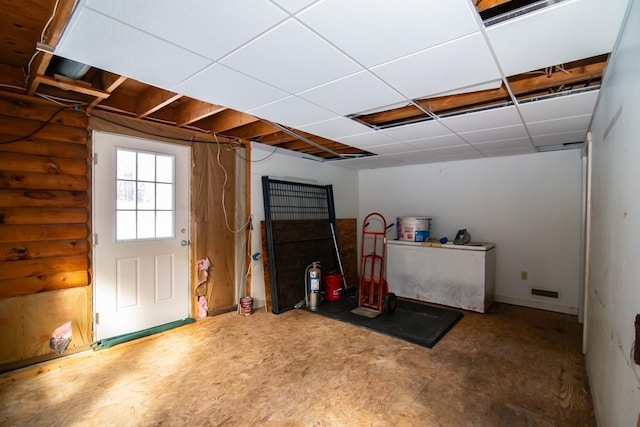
pixel 141 226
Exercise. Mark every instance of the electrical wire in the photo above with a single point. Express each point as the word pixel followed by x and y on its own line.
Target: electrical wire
pixel 224 183
pixel 12 86
pixel 42 39
pixel 38 129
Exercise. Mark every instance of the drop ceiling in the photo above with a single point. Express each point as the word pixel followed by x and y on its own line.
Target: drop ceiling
pixel 360 84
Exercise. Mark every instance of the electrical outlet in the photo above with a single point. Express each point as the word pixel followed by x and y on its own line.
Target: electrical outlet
pixel 524 275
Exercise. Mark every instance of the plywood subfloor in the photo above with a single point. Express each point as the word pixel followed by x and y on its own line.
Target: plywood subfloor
pixel 509 367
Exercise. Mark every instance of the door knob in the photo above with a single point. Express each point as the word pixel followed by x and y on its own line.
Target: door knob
pixel 185 242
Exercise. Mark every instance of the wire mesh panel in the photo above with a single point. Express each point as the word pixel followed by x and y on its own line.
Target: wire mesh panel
pixel 297 220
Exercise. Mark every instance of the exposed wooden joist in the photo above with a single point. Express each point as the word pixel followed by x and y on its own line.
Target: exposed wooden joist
pixel 110 82
pixel 225 120
pixel 253 130
pixel 193 110
pixel 483 5
pixel 153 99
pixel 520 85
pixel 51 37
pixel 72 86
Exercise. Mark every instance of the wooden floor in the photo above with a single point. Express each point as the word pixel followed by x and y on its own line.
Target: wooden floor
pixel 512 366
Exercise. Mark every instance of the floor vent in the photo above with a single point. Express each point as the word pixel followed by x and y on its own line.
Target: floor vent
pixel 544 293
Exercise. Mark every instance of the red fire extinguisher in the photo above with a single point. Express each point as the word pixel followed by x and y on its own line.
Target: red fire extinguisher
pixel 312 284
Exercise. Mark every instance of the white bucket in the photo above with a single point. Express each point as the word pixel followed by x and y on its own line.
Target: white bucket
pixel 413 228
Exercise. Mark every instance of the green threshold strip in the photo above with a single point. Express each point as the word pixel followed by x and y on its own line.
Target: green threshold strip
pixel 119 339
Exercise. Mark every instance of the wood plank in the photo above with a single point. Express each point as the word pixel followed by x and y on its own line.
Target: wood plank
pixel 72 86
pixel 12 76
pixel 35 198
pixel 253 130
pixel 192 110
pixel 225 120
pixel 44 147
pixel 109 82
pixel 483 5
pixel 153 99
pixel 42 249
pixel 23 128
pixel 16 216
pixel 44 266
pixel 41 113
pixel 34 232
pixel 10 288
pixel 42 164
pixel 52 36
pixel 42 181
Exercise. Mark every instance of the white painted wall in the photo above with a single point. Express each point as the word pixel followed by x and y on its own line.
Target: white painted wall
pixel 614 285
pixel 528 205
pixel 290 167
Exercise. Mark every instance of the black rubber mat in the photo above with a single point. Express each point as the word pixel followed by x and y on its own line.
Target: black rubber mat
pixel 411 321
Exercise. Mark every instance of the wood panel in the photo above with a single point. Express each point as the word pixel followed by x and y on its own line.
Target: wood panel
pixel 43 199
pixel 43 147
pixel 43 215
pixel 42 164
pixel 346 235
pixel 42 249
pixel 44 226
pixel 42 181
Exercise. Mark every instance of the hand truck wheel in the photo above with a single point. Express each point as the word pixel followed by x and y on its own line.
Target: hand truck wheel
pixel 390 302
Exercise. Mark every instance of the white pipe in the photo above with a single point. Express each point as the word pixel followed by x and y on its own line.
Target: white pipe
pixel 587 244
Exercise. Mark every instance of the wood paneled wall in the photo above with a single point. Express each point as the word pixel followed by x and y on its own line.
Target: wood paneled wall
pixel 44 226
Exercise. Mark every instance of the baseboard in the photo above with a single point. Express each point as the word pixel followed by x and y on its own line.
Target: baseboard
pixel 541 305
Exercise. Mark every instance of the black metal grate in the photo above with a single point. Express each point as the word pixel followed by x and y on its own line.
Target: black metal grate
pixel 297 220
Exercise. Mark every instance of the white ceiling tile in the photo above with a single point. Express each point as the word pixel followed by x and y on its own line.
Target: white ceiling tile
pixel 568 124
pixel 462 156
pixel 509 151
pixel 293 6
pixel 215 28
pixel 487 119
pixel 291 58
pixel 494 84
pixel 353 94
pixel 497 134
pixel 562 106
pixel 292 111
pixel 368 139
pixel 370 162
pixel 396 147
pixel 155 60
pixel 557 34
pixel 455 150
pixel 335 128
pixel 219 85
pixel 504 144
pixel 422 130
pixel 412 158
pixel 377 31
pixel 438 142
pixel 456 64
pixel 560 138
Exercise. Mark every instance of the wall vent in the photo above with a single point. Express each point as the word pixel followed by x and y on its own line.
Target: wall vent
pixel 544 293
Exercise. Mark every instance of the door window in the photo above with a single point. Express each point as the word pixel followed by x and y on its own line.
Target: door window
pixel 145 189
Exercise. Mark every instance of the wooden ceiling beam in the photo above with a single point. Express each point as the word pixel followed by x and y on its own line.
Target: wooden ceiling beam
pixel 72 85
pixel 252 131
pixel 152 100
pixel 110 82
pixel 226 120
pixel 193 110
pixel 483 5
pixel 52 35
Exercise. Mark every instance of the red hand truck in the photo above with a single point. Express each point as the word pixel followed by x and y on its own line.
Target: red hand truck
pixel 373 290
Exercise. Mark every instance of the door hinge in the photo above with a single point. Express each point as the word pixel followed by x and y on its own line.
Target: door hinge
pixel 95 158
pixel 97 318
pixel 95 239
